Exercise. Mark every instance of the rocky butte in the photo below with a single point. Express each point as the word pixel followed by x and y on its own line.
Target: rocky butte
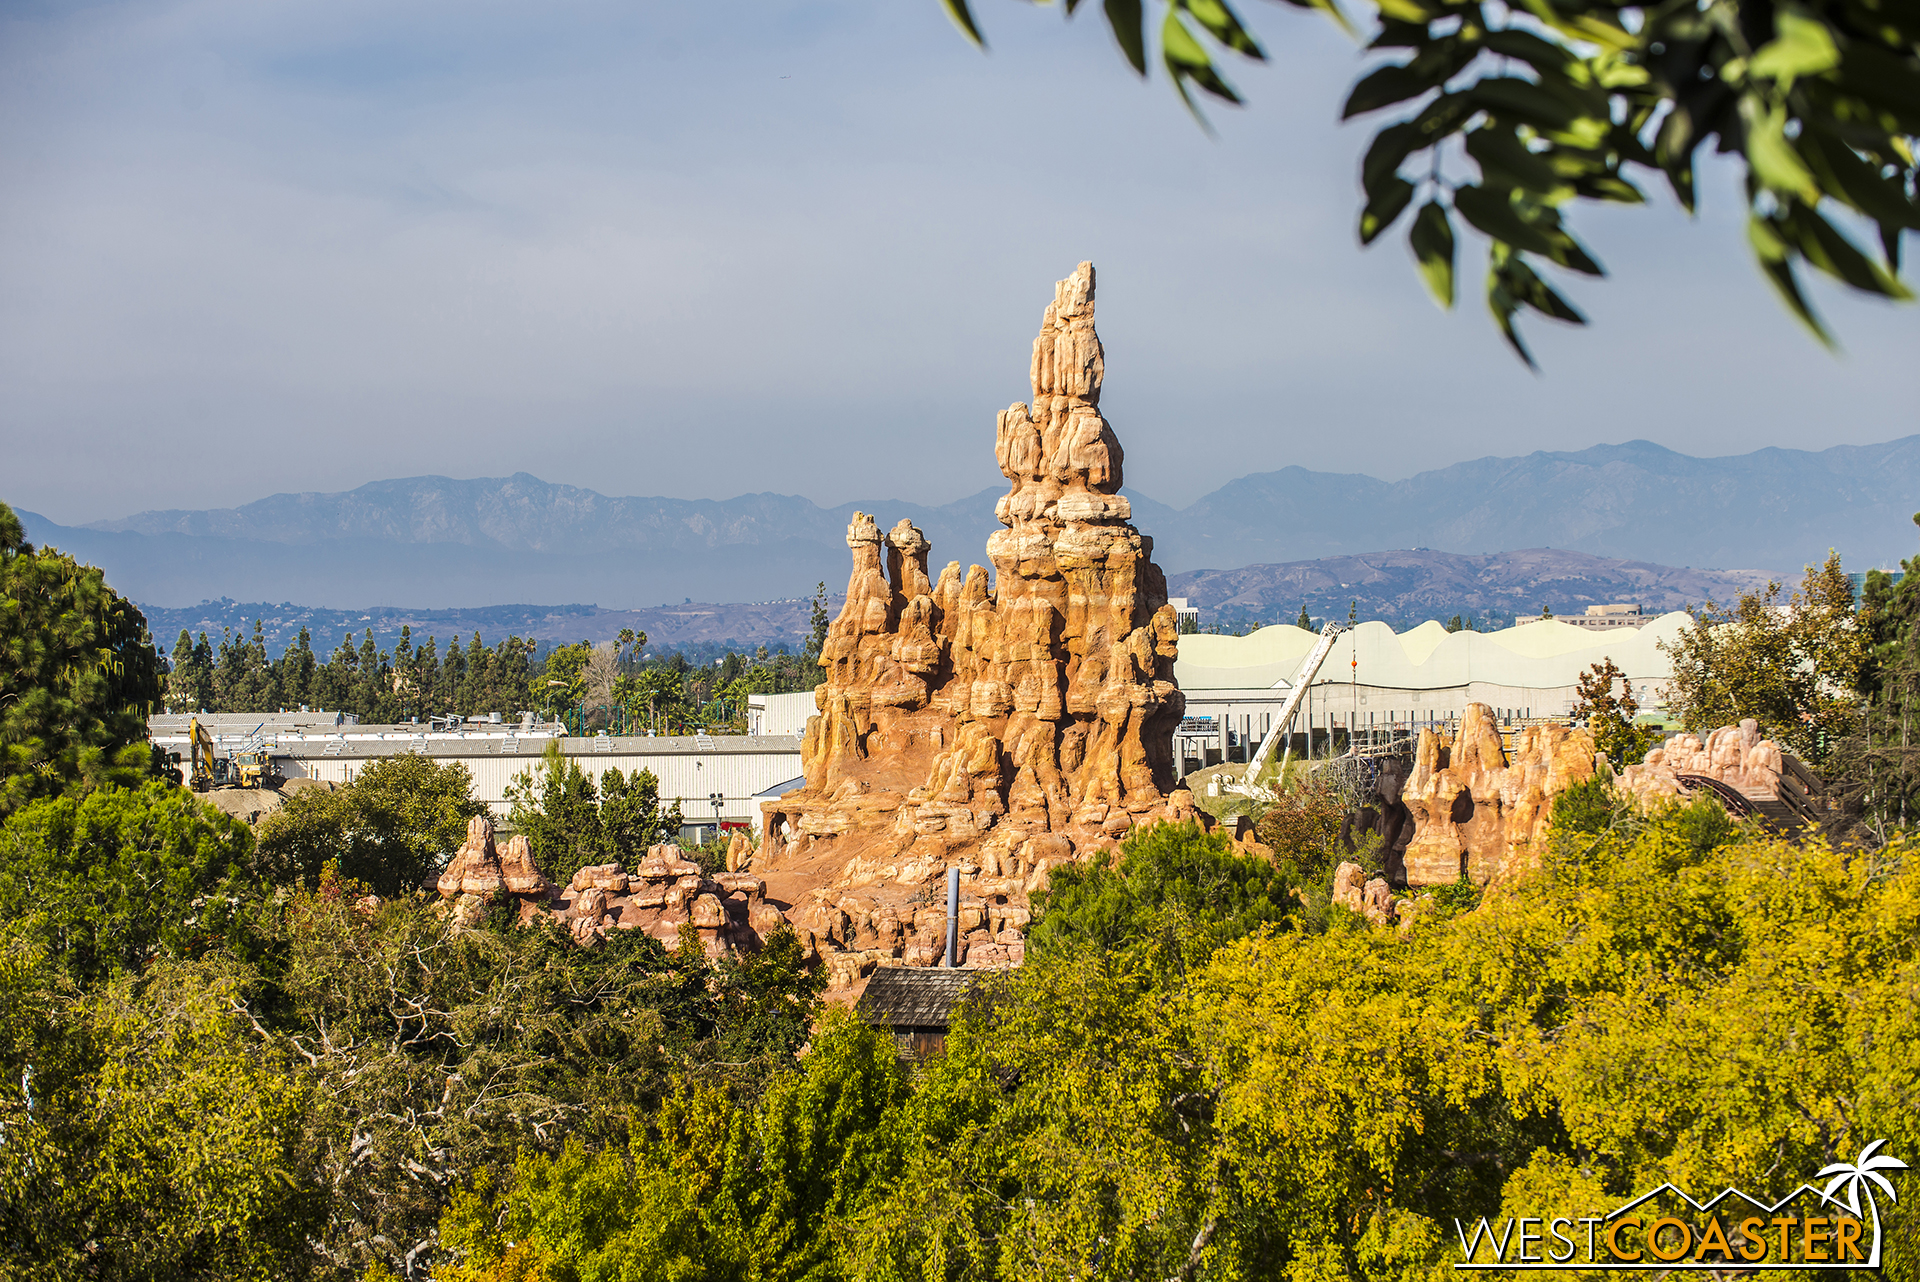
pixel 1003 722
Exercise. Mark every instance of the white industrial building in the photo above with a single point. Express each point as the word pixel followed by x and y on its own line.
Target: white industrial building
pixel 1377 679
pixel 1374 679
pixel 696 770
pixel 780 713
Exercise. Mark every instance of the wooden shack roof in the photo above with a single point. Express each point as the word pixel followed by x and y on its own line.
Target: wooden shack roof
pixel 913 996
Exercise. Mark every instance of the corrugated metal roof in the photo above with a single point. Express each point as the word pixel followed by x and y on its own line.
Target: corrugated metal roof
pixel 913 996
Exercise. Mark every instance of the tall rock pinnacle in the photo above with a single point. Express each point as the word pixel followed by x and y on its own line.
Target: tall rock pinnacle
pixel 1004 726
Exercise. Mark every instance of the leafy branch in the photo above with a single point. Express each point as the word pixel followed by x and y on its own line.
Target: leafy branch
pixel 1555 102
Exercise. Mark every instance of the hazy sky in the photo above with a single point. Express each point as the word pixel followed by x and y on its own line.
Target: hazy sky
pixel 249 246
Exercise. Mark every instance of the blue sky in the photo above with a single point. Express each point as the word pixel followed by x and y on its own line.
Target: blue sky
pixel 700 250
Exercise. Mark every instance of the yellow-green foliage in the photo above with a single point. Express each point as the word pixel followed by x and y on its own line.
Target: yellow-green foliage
pixel 152 1137
pixel 1671 999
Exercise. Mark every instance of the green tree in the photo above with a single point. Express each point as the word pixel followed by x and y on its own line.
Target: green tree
pixel 659 695
pixel 631 817
pixel 816 644
pixel 561 682
pixel 1610 715
pixel 1796 671
pixel 718 1193
pixel 1518 117
pixel 1174 896
pixel 115 877
pixel 393 827
pixel 190 683
pixel 152 1137
pixel 78 675
pixel 571 822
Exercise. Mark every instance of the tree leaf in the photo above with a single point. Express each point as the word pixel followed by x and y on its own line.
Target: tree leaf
pixel 1540 54
pixel 1186 60
pixel 1821 244
pixel 1385 86
pixel 962 17
pixel 1383 208
pixel 1503 305
pixel 1493 213
pixel 1523 101
pixel 1128 24
pixel 1771 156
pixel 1223 24
pixel 1883 78
pixel 1505 161
pixel 1776 262
pixel 1431 237
pixel 1610 187
pixel 1673 150
pixel 1397 82
pixel 1804 47
pixel 1526 285
pixel 1389 148
pixel 1843 174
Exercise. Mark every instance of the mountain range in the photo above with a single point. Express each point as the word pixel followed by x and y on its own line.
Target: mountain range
pixel 444 543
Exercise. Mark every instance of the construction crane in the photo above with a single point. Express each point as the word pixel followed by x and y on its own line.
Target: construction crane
pixel 1309 669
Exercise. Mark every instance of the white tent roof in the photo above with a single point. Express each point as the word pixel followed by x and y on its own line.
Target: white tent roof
pixel 1540 655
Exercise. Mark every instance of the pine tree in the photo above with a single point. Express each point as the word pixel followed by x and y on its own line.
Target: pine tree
pixel 190 683
pixel 476 684
pixel 453 678
pixel 78 675
pixel 335 682
pixel 296 672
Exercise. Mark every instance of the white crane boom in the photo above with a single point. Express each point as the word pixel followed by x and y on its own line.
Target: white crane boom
pixel 1309 669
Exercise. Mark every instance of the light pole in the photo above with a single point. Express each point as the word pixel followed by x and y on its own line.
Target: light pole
pixel 718 800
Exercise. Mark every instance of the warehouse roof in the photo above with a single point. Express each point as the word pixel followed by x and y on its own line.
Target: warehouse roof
pixel 1540 654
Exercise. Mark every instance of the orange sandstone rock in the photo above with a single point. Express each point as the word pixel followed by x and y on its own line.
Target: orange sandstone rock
pixel 1002 722
pixel 1476 814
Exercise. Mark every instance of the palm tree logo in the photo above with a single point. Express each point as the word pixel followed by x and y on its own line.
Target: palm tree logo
pixel 1863 1176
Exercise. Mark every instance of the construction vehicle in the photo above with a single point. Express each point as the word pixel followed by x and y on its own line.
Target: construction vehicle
pixel 250 766
pixel 208 767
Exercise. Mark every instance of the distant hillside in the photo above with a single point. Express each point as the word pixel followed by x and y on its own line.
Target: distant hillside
pixel 452 543
pixel 1401 588
pixel 693 626
pixel 1772 509
pixel 1404 588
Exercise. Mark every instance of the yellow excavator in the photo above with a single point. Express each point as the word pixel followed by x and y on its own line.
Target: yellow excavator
pixel 250 766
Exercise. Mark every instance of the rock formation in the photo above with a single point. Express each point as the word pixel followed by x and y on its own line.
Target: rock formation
pixel 1371 898
pixel 1004 726
pixel 479 872
pixel 1479 816
pixel 1735 755
pixel 1743 767
pixel 666 892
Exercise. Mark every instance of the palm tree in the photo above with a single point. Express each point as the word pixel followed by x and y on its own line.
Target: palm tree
pixel 1862 1176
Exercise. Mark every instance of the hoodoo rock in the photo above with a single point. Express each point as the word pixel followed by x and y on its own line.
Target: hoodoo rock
pixel 478 868
pixel 1475 814
pixel 1004 723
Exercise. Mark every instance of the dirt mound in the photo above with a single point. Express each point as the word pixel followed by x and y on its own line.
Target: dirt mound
pixel 248 805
